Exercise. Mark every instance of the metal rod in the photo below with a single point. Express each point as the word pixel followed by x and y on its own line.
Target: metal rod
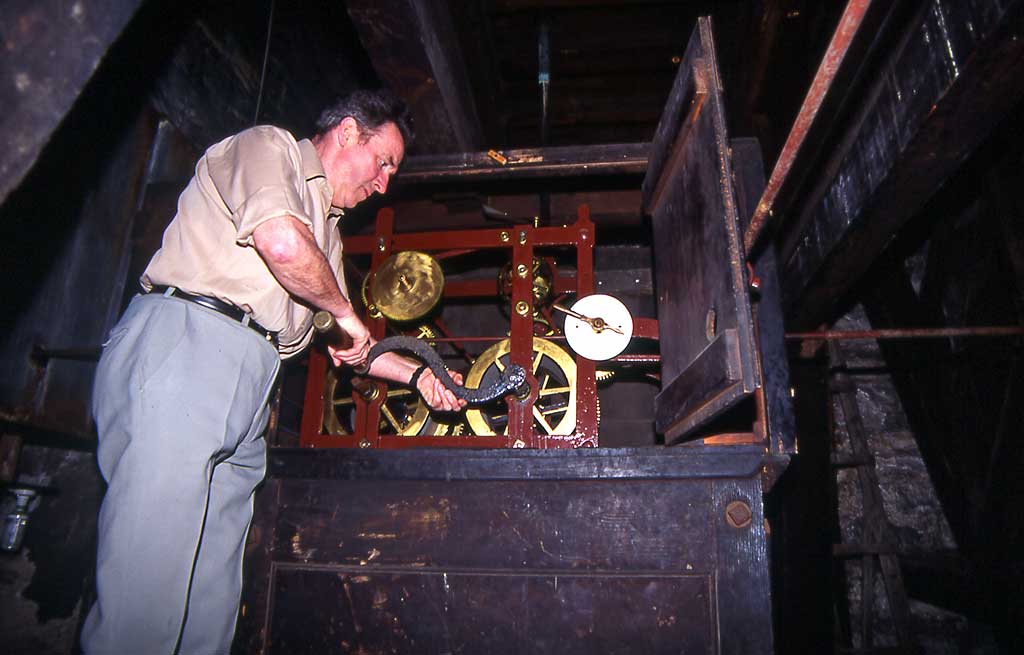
pixel 544 77
pixel 846 31
pixel 263 68
pixel 553 337
pixel 908 333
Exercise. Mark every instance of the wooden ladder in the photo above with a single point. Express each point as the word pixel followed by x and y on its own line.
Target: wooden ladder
pixel 877 548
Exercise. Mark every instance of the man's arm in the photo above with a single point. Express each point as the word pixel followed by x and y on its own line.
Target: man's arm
pixel 391 366
pixel 290 252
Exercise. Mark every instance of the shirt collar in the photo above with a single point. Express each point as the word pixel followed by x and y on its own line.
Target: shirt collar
pixel 313 169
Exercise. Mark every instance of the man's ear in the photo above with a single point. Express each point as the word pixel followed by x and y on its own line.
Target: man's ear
pixel 348 132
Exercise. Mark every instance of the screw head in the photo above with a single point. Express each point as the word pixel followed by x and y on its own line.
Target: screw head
pixel 504 236
pixel 522 308
pixel 738 514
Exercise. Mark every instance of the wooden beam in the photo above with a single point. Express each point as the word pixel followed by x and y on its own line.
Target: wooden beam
pixel 51 49
pixel 612 159
pixel 939 96
pixel 415 51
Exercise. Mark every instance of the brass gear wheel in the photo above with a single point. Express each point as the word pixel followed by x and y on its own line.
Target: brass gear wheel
pixel 403 412
pixel 554 412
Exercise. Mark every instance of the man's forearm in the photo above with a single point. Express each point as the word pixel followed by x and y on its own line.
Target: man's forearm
pixel 291 254
pixel 393 367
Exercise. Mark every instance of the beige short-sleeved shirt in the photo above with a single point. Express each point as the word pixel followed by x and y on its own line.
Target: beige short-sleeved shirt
pixel 259 174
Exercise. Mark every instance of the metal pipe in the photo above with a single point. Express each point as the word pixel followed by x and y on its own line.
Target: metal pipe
pixel 544 79
pixel 907 333
pixel 846 31
pixel 554 337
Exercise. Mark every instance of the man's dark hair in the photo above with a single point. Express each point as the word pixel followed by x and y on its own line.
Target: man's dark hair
pixel 371 110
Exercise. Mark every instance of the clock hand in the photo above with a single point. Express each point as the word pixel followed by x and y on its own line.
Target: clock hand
pixel 598 324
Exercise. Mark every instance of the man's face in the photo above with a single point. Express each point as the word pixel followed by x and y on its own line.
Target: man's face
pixel 365 166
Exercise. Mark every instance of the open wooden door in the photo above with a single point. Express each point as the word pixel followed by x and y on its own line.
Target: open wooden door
pixel 708 358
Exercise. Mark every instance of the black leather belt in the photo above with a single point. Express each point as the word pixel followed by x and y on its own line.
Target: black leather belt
pixel 219 306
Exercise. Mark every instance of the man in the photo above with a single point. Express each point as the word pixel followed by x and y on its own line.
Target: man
pixel 181 390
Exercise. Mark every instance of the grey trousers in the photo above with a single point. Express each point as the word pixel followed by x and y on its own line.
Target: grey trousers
pixel 180 402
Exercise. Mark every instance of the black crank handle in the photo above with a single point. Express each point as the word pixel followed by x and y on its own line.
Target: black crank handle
pixel 513 378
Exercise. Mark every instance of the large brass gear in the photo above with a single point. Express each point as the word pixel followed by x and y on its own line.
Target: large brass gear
pixel 554 412
pixel 406 285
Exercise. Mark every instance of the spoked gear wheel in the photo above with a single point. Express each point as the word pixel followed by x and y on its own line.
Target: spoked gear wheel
pixel 402 413
pixel 554 412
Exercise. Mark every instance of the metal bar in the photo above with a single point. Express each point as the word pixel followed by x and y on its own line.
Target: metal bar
pixel 846 31
pixel 554 337
pixel 908 333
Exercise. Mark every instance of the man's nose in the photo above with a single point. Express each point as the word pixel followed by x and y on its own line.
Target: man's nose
pixel 380 185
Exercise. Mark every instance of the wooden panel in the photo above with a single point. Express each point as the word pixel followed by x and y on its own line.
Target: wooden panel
pixel 708 363
pixel 352 611
pixel 358 555
pixel 583 525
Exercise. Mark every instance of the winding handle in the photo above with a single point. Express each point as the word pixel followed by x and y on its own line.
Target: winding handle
pixel 325 324
pixel 512 380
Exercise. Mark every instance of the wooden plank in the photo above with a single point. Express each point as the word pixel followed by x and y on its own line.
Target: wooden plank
pixel 743 583
pixel 543 525
pixel 774 363
pixel 708 386
pixel 578 464
pixel 610 159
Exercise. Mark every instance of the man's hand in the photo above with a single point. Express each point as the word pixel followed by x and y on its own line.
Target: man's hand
pixel 436 394
pixel 355 355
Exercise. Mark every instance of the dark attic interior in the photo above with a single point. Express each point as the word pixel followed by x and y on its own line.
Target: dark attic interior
pixel 804 217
